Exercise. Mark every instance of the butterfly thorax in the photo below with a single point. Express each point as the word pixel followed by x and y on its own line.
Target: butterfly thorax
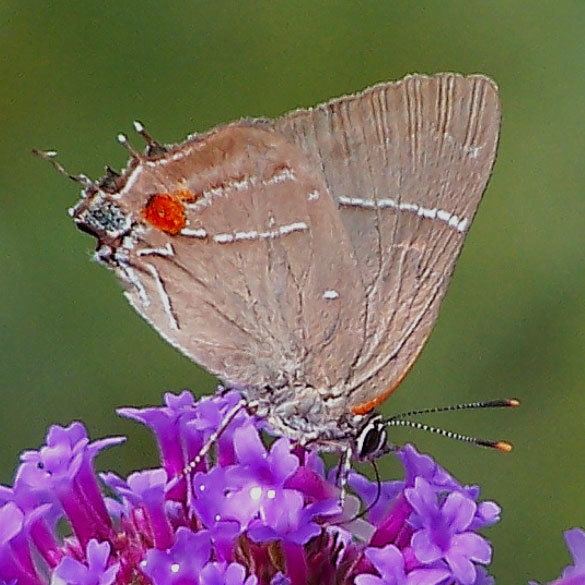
pixel 307 415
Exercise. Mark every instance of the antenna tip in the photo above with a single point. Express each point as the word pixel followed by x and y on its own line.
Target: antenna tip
pixel 138 126
pixel 122 138
pixel 503 446
pixel 513 402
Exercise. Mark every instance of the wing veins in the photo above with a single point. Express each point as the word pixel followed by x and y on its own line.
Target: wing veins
pixel 375 282
pixel 215 309
pixel 369 375
pixel 299 311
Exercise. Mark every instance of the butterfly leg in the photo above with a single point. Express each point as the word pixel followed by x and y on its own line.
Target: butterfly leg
pixel 212 439
pixel 344 469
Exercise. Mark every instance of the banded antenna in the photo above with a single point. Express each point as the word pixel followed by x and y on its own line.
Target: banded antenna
pixel 399 420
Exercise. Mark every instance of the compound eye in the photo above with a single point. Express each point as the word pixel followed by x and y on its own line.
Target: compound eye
pixel 371 440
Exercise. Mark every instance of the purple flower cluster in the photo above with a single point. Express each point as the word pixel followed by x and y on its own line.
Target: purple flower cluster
pixel 255 511
pixel 574 574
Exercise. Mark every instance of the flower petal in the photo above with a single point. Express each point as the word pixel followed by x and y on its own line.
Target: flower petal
pixel 71 571
pixel 370 580
pixel 425 550
pixel 389 562
pixel 427 576
pixel 458 511
pixel 98 554
pixel 109 575
pixel 487 514
pixel 282 462
pixel 11 522
pixel 462 568
pixel 575 539
pixel 249 447
pixel 422 498
pixel 473 546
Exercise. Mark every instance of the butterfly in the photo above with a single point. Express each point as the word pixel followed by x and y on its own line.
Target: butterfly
pixel 303 260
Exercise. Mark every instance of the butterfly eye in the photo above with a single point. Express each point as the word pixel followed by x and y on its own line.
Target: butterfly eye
pixel 371 440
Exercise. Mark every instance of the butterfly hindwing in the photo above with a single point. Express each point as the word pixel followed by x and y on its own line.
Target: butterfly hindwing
pixel 407 163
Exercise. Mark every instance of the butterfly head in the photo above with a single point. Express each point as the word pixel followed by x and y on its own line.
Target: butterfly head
pixel 371 439
pixel 102 218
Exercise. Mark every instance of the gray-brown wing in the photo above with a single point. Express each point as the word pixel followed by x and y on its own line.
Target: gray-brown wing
pixel 260 281
pixel 407 163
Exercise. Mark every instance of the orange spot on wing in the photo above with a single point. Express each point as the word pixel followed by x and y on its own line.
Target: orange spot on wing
pixel 165 212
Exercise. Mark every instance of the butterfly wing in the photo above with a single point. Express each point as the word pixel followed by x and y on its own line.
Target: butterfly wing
pixel 239 258
pixel 407 163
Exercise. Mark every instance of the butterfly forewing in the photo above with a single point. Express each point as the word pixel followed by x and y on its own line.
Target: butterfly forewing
pixel 407 164
pixel 259 285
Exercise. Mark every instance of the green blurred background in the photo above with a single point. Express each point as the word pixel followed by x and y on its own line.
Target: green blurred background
pixel 74 74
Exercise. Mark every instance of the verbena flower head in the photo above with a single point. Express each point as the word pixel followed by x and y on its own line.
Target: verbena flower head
pixel 256 511
pixel 575 573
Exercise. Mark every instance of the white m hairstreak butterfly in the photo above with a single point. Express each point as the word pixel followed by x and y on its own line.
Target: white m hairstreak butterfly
pixel 303 260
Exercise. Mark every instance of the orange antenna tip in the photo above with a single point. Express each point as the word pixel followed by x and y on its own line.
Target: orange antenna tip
pixel 503 446
pixel 513 402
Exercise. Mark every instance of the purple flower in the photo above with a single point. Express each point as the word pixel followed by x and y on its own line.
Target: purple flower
pixel 445 532
pixel 62 471
pixel 248 514
pixel 368 491
pixel 292 520
pixel 390 563
pixel 94 572
pixel 183 562
pixel 575 573
pixel 418 465
pixel 254 494
pixel 181 429
pixel 225 574
pixel 483 578
pixel 575 540
pixel 146 490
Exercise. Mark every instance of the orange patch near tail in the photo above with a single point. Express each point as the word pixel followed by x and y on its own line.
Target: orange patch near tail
pixel 377 400
pixel 369 406
pixel 165 211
